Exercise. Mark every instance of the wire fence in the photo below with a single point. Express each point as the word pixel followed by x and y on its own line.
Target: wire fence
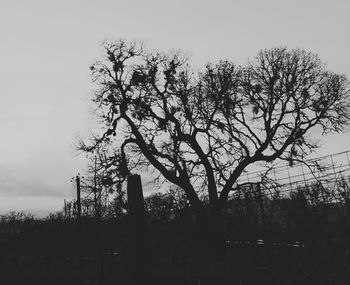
pixel 328 173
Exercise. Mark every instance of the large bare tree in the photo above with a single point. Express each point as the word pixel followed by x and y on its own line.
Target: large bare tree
pixel 201 130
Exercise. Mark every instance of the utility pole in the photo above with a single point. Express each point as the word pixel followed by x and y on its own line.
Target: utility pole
pixel 98 187
pixel 79 230
pixel 78 198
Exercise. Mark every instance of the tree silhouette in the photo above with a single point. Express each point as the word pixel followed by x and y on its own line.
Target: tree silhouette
pixel 200 131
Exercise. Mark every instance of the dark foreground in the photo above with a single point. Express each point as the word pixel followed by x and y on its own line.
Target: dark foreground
pixel 243 264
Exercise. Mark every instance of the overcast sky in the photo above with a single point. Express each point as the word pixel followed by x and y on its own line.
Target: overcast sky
pixel 47 47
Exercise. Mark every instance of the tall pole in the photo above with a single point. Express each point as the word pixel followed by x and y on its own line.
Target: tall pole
pixel 98 223
pixel 78 198
pixel 79 229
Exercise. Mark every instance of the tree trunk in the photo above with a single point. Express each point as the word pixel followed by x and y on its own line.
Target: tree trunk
pixel 211 233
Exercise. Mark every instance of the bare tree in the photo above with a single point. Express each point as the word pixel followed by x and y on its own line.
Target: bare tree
pixel 200 131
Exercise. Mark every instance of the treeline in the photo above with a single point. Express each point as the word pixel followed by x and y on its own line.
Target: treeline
pixel 295 233
pixel 307 215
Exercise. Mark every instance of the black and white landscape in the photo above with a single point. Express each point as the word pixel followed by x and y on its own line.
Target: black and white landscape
pixel 175 142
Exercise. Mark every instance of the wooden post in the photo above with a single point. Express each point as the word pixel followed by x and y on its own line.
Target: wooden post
pixel 136 253
pixel 79 230
pixel 135 198
pixel 78 198
pixel 265 230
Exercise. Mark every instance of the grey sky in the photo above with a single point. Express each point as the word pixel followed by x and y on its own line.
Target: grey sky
pixel 47 47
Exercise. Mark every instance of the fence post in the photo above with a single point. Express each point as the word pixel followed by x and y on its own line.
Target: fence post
pixel 136 256
pixel 265 230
